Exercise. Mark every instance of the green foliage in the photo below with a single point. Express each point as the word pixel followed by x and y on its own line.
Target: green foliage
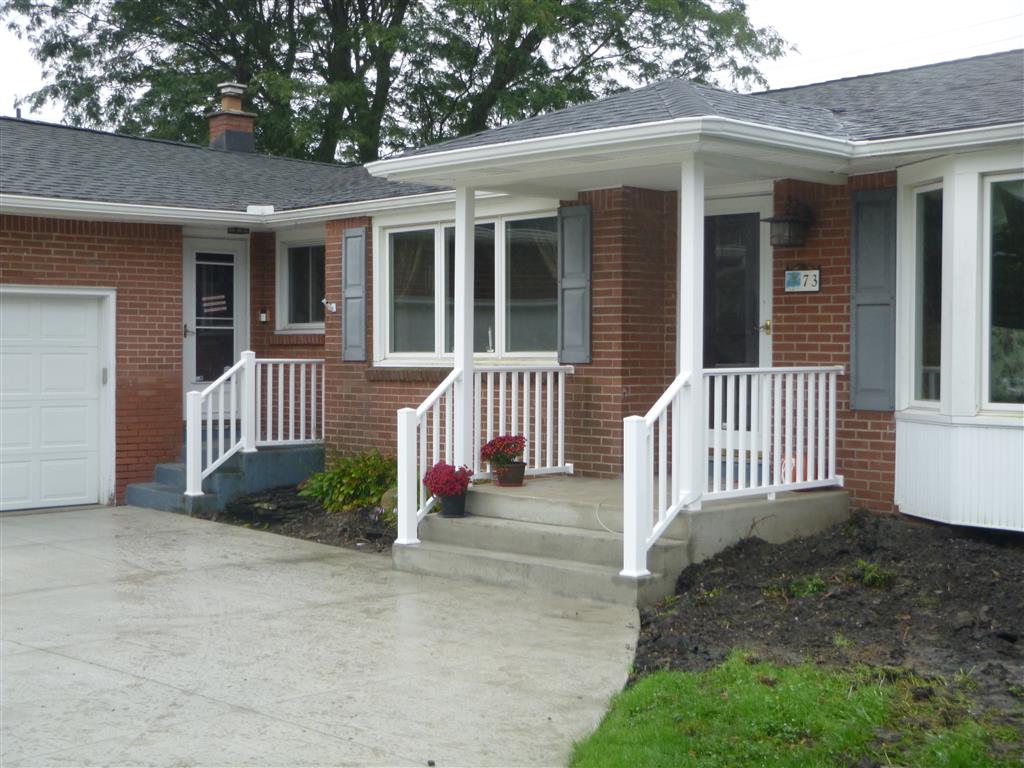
pixel 743 713
pixel 799 586
pixel 351 482
pixel 352 80
pixel 872 575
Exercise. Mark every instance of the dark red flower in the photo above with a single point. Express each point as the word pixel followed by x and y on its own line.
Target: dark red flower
pixel 443 479
pixel 503 450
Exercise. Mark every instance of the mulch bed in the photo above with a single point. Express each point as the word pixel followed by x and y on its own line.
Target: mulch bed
pixel 283 511
pixel 880 590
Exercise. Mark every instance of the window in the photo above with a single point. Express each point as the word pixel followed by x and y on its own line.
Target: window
pixel 928 296
pixel 412 290
pixel 515 272
pixel 531 301
pixel 1005 270
pixel 301 288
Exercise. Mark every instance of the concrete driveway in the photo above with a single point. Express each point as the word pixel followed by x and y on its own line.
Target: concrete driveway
pixel 135 637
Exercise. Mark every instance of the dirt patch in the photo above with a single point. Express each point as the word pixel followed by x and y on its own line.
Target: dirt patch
pixel 283 511
pixel 885 591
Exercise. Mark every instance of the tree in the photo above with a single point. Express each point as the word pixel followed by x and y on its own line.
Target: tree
pixel 354 79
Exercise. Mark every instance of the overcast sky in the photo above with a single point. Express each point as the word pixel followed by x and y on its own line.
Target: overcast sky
pixel 832 39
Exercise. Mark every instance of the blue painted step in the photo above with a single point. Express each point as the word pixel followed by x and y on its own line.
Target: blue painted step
pixel 242 473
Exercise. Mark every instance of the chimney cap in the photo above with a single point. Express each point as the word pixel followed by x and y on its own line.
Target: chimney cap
pixel 231 89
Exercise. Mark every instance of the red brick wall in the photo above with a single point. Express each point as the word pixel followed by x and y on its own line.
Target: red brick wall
pixel 226 121
pixel 814 328
pixel 143 262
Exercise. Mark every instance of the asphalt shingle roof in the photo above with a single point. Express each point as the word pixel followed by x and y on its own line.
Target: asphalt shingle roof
pixel 984 90
pixel 46 160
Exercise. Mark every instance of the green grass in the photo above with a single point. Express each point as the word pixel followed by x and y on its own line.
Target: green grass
pixel 748 714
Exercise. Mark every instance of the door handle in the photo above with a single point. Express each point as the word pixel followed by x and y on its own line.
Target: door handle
pixel 765 327
pixel 185 332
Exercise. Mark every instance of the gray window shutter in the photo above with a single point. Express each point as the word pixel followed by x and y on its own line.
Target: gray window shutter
pixel 353 294
pixel 873 301
pixel 574 284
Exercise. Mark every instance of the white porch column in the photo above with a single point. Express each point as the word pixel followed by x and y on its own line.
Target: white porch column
pixel 690 326
pixel 465 214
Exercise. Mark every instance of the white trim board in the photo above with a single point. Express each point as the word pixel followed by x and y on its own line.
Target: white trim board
pixel 107 464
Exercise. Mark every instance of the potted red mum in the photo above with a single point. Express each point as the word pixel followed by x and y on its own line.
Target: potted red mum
pixel 449 484
pixel 503 454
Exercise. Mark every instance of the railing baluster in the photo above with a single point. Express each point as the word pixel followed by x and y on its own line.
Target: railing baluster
pixel 811 463
pixel 258 368
pixel 798 453
pixel 435 434
pixel 677 434
pixel 744 430
pixel 234 409
pixel 777 457
pixel 477 444
pixel 220 420
pixel 490 406
pixel 550 442
pixel 832 425
pixel 705 482
pixel 449 432
pixel 561 418
pixel 822 420
pixel 280 401
pixel 313 401
pixel 302 402
pixel 537 423
pixel 323 400
pixel 716 467
pixel 291 401
pixel 209 427
pixel 730 431
pixel 662 466
pixel 501 403
pixel 764 397
pixel 788 435
pixel 526 416
pixel 421 493
pixel 515 402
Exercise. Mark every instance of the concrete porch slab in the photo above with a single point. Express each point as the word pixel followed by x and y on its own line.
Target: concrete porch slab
pixel 132 636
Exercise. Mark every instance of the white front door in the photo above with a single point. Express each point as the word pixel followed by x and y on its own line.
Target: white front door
pixel 216 309
pixel 51 378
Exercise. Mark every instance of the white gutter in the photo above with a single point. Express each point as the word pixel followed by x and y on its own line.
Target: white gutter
pixel 255 216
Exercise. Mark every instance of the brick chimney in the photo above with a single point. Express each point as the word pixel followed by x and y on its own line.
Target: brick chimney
pixel 230 126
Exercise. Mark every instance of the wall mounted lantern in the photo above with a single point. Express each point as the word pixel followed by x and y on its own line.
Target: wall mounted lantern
pixel 789 228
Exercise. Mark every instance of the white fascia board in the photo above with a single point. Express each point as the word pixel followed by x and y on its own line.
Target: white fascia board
pixel 933 142
pixel 96 210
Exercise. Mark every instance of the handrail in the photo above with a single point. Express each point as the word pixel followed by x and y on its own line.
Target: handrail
pixel 222 378
pixel 667 397
pixel 439 390
pixel 544 368
pixel 776 369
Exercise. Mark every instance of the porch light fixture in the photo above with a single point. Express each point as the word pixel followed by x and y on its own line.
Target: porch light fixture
pixel 789 228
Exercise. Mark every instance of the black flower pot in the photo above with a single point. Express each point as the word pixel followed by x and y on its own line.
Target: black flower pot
pixel 453 506
pixel 510 475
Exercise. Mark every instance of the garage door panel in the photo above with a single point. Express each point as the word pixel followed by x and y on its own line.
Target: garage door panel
pixel 69 321
pixel 16 427
pixel 16 484
pixel 68 373
pixel 15 319
pixel 70 480
pixel 16 368
pixel 64 427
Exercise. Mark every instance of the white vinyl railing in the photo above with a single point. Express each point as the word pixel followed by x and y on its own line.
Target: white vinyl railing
pixel 506 400
pixel 767 430
pixel 426 435
pixel 527 401
pixel 771 429
pixel 253 403
pixel 290 393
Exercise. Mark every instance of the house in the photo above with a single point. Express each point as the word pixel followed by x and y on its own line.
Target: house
pixel 561 276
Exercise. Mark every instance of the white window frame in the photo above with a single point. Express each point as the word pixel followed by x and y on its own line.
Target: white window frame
pixel 926 405
pixel 986 293
pixel 283 285
pixel 383 356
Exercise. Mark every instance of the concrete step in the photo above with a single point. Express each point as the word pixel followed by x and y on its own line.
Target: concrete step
pixel 581 545
pixel 552 575
pixel 172 474
pixel 594 505
pixel 169 498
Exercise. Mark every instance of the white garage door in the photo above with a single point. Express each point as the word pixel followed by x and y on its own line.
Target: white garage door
pixel 49 400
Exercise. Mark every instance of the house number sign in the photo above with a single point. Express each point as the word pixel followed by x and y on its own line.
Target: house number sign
pixel 803 280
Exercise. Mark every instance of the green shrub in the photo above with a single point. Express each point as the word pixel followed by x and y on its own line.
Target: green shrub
pixel 351 482
pixel 873 575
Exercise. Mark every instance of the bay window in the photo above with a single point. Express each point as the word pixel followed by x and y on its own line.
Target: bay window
pixel 1004 270
pixel 515 301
